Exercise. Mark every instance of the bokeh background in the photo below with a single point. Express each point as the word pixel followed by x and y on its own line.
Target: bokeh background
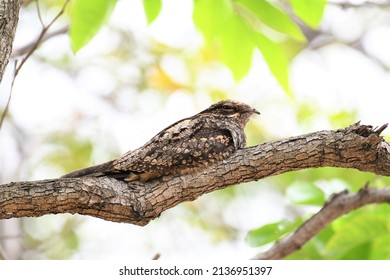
pixel 133 79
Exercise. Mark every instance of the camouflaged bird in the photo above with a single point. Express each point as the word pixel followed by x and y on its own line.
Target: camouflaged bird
pixel 187 146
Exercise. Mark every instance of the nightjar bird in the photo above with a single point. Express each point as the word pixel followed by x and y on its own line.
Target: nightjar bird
pixel 187 146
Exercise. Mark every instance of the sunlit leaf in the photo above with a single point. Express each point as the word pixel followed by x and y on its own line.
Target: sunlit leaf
pixel 237 46
pixel 86 20
pixel 271 232
pixel 276 59
pixel 210 16
pixel 152 9
pixel 309 11
pixel 305 194
pixel 381 181
pixel 355 232
pixel 380 249
pixel 274 17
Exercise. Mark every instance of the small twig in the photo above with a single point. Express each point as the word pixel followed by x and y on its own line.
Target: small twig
pixel 380 130
pixel 29 53
pixel 24 49
pixel 10 236
pixel 350 4
pixel 9 97
pixel 40 37
pixel 39 14
pixel 338 205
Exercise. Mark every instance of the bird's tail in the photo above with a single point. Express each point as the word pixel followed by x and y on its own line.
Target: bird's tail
pixel 94 171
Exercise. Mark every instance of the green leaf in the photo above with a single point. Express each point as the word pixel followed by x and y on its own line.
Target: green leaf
pixel 309 11
pixel 355 232
pixel 360 252
pixel 308 252
pixel 380 250
pixel 152 9
pixel 236 47
pixel 274 17
pixel 210 16
pixel 271 232
pixel 86 20
pixel 276 59
pixel 305 194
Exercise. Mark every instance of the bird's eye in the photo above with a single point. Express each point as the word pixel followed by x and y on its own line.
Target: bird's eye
pixel 227 108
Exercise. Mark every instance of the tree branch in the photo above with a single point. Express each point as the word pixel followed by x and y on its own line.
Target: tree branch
pixel 338 205
pixel 357 146
pixel 9 16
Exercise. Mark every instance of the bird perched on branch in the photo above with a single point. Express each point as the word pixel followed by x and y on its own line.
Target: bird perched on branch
pixel 187 146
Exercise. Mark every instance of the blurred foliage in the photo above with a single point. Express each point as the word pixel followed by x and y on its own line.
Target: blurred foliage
pixel 304 193
pixel 307 113
pixel 70 152
pixel 359 234
pixel 50 238
pixel 362 234
pixel 255 24
pixel 271 232
pixel 350 179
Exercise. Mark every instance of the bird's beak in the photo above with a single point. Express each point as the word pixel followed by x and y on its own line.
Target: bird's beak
pixel 255 111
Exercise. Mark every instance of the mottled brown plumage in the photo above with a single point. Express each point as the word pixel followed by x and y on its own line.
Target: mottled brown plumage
pixel 187 146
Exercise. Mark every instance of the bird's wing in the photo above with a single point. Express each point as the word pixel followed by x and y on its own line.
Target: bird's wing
pixel 185 145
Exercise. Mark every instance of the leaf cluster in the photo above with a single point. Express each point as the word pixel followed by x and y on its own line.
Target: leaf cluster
pixel 361 234
pixel 236 27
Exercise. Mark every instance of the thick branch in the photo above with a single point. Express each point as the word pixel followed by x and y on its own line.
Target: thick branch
pixel 338 205
pixel 9 16
pixel 357 146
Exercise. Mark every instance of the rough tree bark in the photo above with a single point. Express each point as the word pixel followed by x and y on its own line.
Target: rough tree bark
pixel 9 16
pixel 358 146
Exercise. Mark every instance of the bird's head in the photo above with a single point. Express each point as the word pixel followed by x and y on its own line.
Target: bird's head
pixel 231 110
